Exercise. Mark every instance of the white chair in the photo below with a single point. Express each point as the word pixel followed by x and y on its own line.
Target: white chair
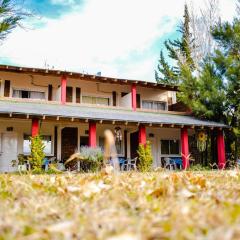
pixel 168 164
pixel 130 164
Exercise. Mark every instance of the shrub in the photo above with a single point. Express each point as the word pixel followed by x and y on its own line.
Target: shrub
pixel 93 158
pixel 198 167
pixel 145 157
pixel 37 153
pixel 90 159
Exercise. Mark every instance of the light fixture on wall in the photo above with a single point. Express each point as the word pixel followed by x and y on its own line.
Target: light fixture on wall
pixel 118 134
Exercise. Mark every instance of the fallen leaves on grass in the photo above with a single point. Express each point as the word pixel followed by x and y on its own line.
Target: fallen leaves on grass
pixel 159 205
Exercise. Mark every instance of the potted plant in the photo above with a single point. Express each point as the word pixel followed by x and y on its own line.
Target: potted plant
pixel 20 163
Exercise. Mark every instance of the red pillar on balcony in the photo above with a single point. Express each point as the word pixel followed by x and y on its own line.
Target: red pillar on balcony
pixel 35 127
pixel 134 97
pixel 92 134
pixel 185 147
pixel 142 135
pixel 63 89
pixel 221 150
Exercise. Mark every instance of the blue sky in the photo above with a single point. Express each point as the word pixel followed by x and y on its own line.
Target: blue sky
pixel 120 38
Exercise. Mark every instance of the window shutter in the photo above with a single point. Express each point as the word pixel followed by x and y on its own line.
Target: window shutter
pixel 7 88
pixel 69 94
pixel 138 101
pixel 78 95
pixel 114 98
pixel 50 92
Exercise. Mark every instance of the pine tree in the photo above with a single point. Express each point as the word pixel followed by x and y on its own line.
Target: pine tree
pixel 204 94
pixel 227 60
pixel 179 51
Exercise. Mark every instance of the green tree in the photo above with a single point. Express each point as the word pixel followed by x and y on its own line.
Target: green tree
pixel 214 92
pixel 37 153
pixel 145 157
pixel 179 52
pixel 204 93
pixel 227 61
pixel 11 16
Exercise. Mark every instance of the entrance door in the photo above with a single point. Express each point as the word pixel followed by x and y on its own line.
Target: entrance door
pixel 69 142
pixel 9 152
pixel 134 144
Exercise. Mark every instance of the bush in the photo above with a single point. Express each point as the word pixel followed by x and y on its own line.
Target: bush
pixel 89 160
pixel 198 167
pixel 93 158
pixel 37 153
pixel 145 157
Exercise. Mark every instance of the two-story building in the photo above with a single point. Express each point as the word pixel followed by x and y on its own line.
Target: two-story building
pixel 71 109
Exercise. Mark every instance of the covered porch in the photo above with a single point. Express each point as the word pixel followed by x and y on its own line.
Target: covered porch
pixel 66 128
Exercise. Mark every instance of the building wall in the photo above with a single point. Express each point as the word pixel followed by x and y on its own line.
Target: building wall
pixel 40 83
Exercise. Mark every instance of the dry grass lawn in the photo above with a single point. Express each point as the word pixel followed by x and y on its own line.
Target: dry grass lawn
pixel 161 205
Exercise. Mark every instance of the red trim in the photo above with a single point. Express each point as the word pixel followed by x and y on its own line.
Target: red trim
pixel 63 89
pixel 92 134
pixel 142 135
pixel 35 127
pixel 221 150
pixel 185 147
pixel 134 97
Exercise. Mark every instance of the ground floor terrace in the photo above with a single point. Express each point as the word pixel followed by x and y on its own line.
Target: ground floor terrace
pixel 65 129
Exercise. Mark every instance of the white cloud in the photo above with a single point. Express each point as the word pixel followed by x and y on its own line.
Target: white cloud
pixel 63 2
pixel 100 37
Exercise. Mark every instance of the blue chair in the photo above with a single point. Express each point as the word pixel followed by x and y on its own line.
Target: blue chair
pixel 178 162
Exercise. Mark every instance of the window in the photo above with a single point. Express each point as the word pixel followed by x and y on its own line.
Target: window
pixel 155 105
pixel 26 144
pixel 170 147
pixel 47 141
pixel 28 94
pixel 84 141
pixel 95 100
pixel 101 142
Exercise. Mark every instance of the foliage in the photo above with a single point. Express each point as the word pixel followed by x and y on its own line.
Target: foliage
pixel 93 157
pixel 212 91
pixel 88 159
pixel 11 16
pixel 199 167
pixel 205 93
pixel 37 153
pixel 145 157
pixel 179 51
pixel 127 206
pixel 20 161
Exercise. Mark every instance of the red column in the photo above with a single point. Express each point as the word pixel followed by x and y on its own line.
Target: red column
pixel 221 150
pixel 35 127
pixel 142 135
pixel 134 97
pixel 92 134
pixel 185 147
pixel 63 89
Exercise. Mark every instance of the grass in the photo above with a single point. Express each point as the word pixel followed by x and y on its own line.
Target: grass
pixel 161 205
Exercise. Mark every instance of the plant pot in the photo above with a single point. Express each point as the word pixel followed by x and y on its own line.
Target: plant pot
pixel 22 168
